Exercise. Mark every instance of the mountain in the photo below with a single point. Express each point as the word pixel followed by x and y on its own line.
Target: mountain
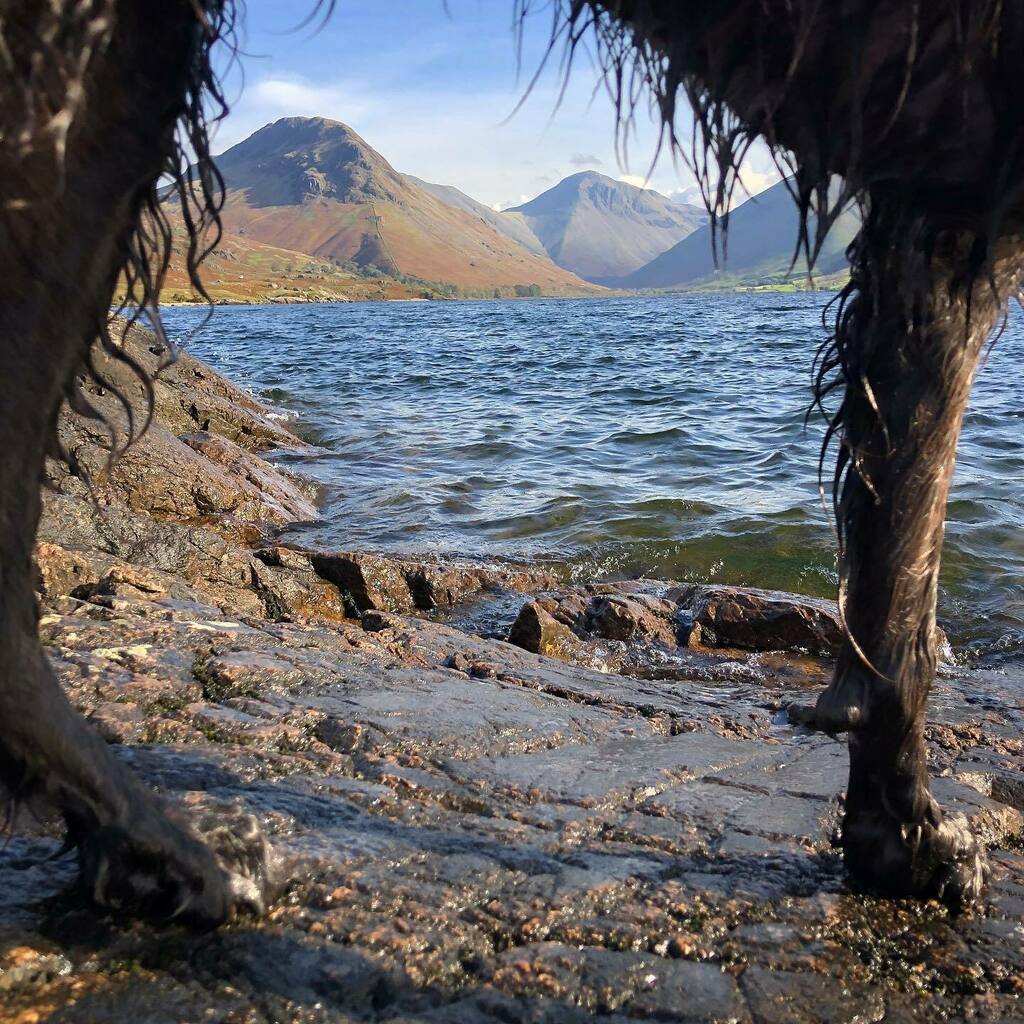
pixel 514 227
pixel 762 236
pixel 599 228
pixel 312 185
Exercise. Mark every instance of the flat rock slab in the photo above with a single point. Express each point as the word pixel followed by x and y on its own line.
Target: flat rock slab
pixel 477 833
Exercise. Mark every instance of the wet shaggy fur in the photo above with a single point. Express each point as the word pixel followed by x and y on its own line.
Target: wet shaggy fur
pixel 100 100
pixel 910 107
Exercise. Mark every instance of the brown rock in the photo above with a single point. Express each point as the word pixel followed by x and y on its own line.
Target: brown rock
pixel 24 967
pixel 292 591
pixel 573 609
pixel 436 586
pixel 634 617
pixel 119 723
pixel 215 568
pixel 283 499
pixel 764 620
pixel 368 581
pixel 246 674
pixel 181 478
pixel 63 572
pixel 381 583
pixel 536 630
pixel 189 395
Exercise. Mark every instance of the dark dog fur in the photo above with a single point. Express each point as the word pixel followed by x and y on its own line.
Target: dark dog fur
pixel 911 106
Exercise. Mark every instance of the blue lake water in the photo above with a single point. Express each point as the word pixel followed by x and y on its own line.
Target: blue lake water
pixel 615 437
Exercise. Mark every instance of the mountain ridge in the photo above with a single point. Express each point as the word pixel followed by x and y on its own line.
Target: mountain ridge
pixel 312 212
pixel 599 227
pixel 762 238
pixel 514 227
pixel 313 185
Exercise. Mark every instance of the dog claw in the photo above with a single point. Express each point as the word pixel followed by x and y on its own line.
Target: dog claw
pixel 167 871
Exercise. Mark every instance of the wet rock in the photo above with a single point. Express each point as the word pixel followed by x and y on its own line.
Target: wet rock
pixel 367 582
pixel 537 630
pixel 763 620
pixel 637 984
pixel 781 997
pixel 638 628
pixel 493 836
pixel 633 617
pixel 627 830
pixel 25 967
pixel 380 583
pixel 590 614
pixel 292 590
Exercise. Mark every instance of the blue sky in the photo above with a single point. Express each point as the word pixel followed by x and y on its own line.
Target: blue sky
pixel 436 94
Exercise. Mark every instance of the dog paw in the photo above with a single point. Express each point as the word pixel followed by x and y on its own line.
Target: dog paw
pixel 942 861
pixel 244 855
pixel 960 866
pixel 206 872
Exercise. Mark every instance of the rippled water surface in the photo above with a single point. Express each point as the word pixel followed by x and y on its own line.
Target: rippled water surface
pixel 662 436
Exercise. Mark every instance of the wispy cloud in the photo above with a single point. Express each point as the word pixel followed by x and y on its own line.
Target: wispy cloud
pixel 637 180
pixel 585 160
pixel 510 203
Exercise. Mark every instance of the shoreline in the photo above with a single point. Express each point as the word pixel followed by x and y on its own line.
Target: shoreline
pixel 609 293
pixel 609 813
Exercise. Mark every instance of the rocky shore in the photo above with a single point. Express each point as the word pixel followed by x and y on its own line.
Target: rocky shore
pixel 502 798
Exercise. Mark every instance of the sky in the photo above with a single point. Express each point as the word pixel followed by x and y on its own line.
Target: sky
pixel 439 95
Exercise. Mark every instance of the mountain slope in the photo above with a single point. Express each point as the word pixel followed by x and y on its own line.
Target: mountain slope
pixel 598 227
pixel 243 270
pixel 512 226
pixel 761 240
pixel 314 186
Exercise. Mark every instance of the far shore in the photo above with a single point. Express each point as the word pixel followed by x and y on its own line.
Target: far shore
pixel 823 286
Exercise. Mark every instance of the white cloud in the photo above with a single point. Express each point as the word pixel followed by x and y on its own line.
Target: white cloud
pixel 754 181
pixel 502 207
pixel 636 180
pixel 451 135
pixel 288 95
pixel 757 173
pixel 690 194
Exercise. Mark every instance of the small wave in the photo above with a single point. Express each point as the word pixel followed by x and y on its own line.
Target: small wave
pixel 641 438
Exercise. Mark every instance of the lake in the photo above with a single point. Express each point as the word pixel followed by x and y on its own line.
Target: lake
pixel 661 436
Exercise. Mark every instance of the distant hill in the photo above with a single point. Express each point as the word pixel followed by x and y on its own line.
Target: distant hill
pixel 761 241
pixel 512 226
pixel 600 228
pixel 312 185
pixel 241 269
